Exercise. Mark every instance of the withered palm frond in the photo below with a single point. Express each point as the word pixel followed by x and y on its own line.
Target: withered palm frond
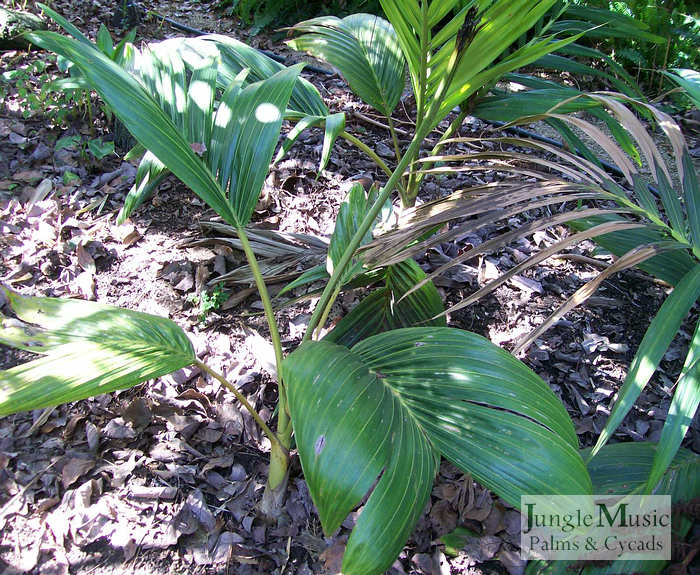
pixel 649 219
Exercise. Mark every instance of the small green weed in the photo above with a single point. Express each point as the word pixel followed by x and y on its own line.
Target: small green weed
pixel 28 89
pixel 208 301
pixel 95 147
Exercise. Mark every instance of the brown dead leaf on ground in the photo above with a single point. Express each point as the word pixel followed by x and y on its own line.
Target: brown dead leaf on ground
pixel 75 468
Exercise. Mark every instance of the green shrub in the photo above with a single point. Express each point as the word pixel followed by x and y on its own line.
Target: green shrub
pixel 676 23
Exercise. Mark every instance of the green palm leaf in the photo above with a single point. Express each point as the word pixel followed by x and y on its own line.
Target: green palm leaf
pixel 235 56
pixel 163 73
pixel 503 22
pixel 245 134
pixel 115 349
pixel 142 116
pixel 683 407
pixel 389 405
pixel 366 51
pixel 386 309
pixel 350 215
pixel 243 138
pixel 623 468
pixel 448 73
pixel 65 24
pixel 691 195
pixel 656 340
pixel 193 117
pixel 608 24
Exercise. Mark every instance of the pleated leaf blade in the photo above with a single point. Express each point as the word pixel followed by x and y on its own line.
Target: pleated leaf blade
pixel 384 309
pixel 366 51
pixel 351 213
pixel 385 408
pixel 250 127
pixel 237 56
pixel 142 116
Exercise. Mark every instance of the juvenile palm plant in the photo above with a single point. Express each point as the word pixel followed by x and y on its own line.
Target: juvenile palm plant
pixel 374 405
pixel 376 402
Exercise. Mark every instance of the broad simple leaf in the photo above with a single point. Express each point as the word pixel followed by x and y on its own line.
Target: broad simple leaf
pixel 384 309
pixel 114 349
pixel 348 430
pixel 366 51
pixel 388 406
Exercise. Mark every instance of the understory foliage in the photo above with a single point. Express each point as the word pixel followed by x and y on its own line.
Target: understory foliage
pixel 672 39
pixel 376 401
pixel 259 14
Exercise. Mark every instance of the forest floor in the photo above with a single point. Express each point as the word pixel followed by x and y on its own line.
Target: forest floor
pixel 165 477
